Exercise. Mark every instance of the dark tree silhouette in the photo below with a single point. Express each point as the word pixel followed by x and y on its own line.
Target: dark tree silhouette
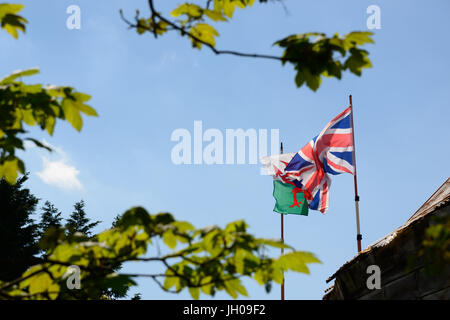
pixel 79 222
pixel 50 218
pixel 18 232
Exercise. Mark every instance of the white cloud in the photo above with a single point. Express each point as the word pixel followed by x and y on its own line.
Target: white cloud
pixel 59 172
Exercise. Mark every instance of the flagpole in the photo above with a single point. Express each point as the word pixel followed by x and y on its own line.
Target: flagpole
pixel 282 236
pixel 358 230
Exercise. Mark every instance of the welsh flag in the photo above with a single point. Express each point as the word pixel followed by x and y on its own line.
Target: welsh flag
pixel 290 198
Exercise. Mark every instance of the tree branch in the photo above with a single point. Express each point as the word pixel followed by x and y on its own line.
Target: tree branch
pixel 183 32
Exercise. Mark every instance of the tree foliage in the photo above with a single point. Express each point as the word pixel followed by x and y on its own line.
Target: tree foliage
pixel 313 55
pixel 205 260
pixel 79 222
pixel 10 20
pixel 23 105
pixel 18 232
pixel 50 218
pixel 435 250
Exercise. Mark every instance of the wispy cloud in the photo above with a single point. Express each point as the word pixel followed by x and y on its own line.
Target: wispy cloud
pixel 59 172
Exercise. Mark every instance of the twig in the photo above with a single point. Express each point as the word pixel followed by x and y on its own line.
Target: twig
pixel 183 32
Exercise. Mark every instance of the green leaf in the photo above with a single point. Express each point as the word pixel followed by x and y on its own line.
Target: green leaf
pixel 18 74
pixel 214 15
pixel 207 285
pixel 236 226
pixel 228 8
pixel 233 287
pixel 87 109
pixel 135 216
pixel 50 125
pixel 357 61
pixel 81 97
pixel 299 79
pixel 260 276
pixel 169 239
pixel 170 281
pixel 277 275
pixel 35 88
pixel 297 261
pixel 183 226
pixel 53 291
pixel 72 114
pixel 312 81
pixel 195 293
pixel 28 118
pixel 9 169
pixel 211 242
pixel 191 10
pixel 237 286
pixel 39 144
pixel 7 8
pixel 26 275
pixel 230 290
pixel 359 38
pixel 205 33
pixel 273 243
pixel 40 283
pixel 118 283
pixel 10 21
pixel 143 26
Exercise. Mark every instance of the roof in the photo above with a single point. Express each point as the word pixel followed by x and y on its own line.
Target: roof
pixel 439 198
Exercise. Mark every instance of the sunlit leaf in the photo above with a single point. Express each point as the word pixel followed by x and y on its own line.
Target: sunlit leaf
pixel 214 15
pixel 17 74
pixel 205 33
pixel 9 169
pixel 297 261
pixel 195 293
pixel 192 10
pixel 170 239
pixel 72 114
pixel 10 21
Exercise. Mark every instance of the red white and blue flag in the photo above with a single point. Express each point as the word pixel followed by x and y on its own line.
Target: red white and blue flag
pixel 331 152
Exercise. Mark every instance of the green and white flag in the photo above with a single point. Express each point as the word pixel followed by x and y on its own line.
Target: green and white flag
pixel 289 198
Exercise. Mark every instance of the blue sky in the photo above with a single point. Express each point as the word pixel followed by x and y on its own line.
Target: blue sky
pixel 145 89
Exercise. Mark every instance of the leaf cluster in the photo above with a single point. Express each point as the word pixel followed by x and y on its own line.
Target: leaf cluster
pixel 313 55
pixel 24 105
pixel 435 251
pixel 10 20
pixel 33 105
pixel 205 260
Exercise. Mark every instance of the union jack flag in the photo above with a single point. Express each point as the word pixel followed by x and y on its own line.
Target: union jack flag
pixel 331 152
